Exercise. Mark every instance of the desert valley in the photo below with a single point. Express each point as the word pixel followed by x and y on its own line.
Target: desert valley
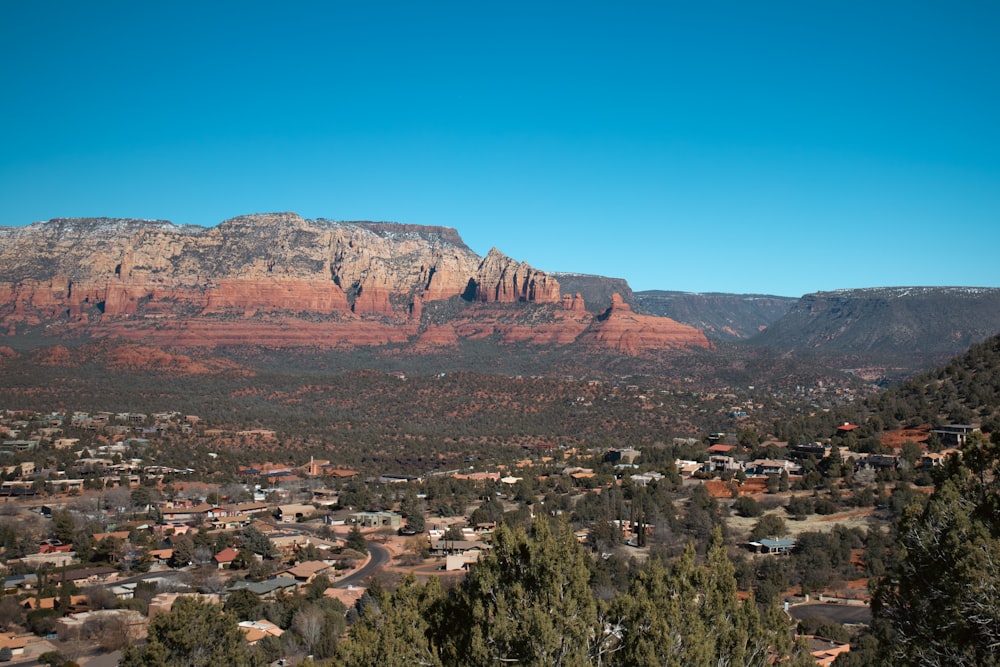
pixel 354 443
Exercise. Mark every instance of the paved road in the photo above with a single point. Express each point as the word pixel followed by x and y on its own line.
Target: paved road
pixel 841 613
pixel 380 556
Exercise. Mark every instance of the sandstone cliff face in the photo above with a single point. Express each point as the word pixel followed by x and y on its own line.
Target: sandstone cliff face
pixel 277 280
pixel 632 333
pixel 500 279
pixel 264 262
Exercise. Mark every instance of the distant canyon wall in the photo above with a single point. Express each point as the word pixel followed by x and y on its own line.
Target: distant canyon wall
pixel 343 283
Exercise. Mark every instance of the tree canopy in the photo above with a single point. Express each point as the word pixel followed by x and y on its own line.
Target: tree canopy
pixel 194 634
pixel 529 601
pixel 941 601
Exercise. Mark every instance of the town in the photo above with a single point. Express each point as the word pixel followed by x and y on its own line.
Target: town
pixel 108 518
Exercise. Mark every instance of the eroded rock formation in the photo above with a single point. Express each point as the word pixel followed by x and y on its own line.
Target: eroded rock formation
pixel 631 333
pixel 278 280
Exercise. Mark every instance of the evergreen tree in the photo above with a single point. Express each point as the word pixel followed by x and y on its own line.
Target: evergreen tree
pixel 355 540
pixel 689 615
pixel 527 602
pixel 194 634
pixel 659 619
pixel 394 630
pixel 941 600
pixel 257 542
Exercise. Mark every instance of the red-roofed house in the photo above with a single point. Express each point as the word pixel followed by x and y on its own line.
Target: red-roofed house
pixel 225 557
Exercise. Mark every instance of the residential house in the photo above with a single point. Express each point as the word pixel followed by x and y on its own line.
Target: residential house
pixel 164 602
pixel 76 602
pixel 65 485
pixel 340 473
pixel 77 626
pixel 452 547
pixel 15 643
pixel 461 561
pixel 20 583
pixel 824 651
pixel 18 488
pixel 879 461
pixel 804 450
pixel 769 467
pixel 225 557
pixel 325 497
pixel 771 545
pixel 376 519
pixel 254 631
pixel 625 456
pixel 295 512
pixel 58 559
pixel 347 596
pixel 932 459
pixel 645 478
pixel 478 476
pixel 719 463
pixel 86 576
pixel 955 435
pixel 308 570
pixel 54 547
pixel 268 589
pixel 397 479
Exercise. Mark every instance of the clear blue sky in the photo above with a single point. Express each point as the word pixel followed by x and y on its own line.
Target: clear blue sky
pixel 767 147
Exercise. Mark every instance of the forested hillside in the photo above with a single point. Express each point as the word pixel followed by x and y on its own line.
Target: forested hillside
pixel 721 316
pixel 937 602
pixel 964 391
pixel 895 328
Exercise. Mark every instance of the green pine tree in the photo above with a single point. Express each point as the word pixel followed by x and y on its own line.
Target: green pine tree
pixel 526 602
pixel 194 634
pixel 394 630
pixel 940 600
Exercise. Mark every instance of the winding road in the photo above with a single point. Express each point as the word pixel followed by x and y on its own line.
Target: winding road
pixel 380 556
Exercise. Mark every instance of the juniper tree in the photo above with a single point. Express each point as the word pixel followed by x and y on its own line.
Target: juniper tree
pixel 941 598
pixel 194 634
pixel 527 602
pixel 394 630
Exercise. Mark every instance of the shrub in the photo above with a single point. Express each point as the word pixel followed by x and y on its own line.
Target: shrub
pixel 747 506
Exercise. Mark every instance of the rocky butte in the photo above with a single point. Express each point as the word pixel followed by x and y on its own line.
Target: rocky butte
pixel 278 280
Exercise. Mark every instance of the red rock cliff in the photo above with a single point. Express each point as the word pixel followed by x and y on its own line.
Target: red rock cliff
pixel 631 333
pixel 501 279
pixel 277 279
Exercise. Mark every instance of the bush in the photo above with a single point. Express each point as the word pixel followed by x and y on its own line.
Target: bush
pixel 747 506
pixel 823 627
pixel 799 507
pixel 825 506
pixel 43 621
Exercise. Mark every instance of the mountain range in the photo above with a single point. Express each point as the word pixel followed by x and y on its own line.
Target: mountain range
pixel 278 281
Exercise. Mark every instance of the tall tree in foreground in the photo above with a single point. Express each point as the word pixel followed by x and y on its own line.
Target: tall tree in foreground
pixel 684 614
pixel 526 602
pixel 941 600
pixel 394 629
pixel 194 634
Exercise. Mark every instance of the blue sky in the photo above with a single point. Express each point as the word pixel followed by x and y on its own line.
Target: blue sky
pixel 770 147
